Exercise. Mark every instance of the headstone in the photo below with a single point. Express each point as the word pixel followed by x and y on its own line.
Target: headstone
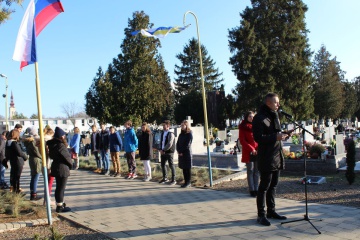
pixel 309 137
pixel 190 121
pixel 222 134
pixel 340 147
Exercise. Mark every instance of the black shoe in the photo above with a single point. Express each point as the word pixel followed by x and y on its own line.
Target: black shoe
pixel 164 180
pixel 263 221
pixel 34 197
pixel 274 215
pixel 186 185
pixel 63 208
pixel 252 194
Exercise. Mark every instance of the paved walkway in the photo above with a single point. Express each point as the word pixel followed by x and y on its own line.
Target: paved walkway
pixel 133 209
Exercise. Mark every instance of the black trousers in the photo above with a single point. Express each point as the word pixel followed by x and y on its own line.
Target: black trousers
pixel 168 158
pixel 60 189
pixel 267 191
pixel 187 175
pixel 15 174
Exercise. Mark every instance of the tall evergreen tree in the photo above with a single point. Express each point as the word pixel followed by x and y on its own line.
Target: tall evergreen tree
pixel 138 86
pixel 328 87
pixel 271 54
pixel 188 73
pixel 188 81
pixel 350 100
pixel 97 104
pixel 357 90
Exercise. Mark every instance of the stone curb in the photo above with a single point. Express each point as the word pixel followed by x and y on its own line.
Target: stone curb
pixel 234 176
pixel 28 223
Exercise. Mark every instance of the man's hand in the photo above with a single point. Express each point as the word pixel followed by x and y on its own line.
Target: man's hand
pixel 281 136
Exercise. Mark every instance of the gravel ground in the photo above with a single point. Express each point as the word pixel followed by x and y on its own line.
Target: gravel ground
pixel 335 191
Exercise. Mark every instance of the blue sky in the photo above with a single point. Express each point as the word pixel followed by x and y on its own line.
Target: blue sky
pixel 88 35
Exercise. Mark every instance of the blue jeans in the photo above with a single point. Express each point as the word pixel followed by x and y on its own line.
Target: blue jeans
pixel 34 182
pixel 105 159
pixel 252 176
pixel 2 175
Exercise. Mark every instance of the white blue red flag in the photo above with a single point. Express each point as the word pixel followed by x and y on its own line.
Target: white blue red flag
pixel 38 14
pixel 159 32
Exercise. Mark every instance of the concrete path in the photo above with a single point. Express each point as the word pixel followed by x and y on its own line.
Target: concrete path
pixel 133 209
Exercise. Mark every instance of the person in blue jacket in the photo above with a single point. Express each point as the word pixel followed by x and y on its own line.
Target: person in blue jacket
pixel 115 148
pixel 130 146
pixel 75 146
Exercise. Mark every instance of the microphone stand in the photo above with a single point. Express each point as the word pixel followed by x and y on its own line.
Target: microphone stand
pixel 306 216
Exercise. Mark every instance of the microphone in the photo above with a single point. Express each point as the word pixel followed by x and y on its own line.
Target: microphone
pixel 285 113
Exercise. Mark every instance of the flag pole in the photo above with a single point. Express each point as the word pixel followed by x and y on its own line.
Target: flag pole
pixel 203 96
pixel 42 144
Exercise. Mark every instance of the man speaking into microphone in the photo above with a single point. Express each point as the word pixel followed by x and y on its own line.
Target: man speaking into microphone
pixel 267 133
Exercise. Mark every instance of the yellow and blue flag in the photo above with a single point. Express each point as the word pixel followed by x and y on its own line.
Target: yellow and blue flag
pixel 159 32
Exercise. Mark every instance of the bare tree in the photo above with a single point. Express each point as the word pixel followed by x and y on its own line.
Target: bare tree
pixel 71 110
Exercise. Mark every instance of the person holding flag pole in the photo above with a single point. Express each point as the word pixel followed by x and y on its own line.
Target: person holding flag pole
pixel 38 14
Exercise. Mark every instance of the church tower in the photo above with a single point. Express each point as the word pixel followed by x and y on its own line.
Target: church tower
pixel 12 109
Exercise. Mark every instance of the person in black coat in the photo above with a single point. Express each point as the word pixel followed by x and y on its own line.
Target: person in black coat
pixel 60 167
pixel 146 149
pixel 17 157
pixel 183 147
pixel 267 133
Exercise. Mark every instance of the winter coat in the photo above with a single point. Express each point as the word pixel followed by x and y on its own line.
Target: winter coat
pixel 60 155
pixel 75 143
pixel 2 149
pixel 266 126
pixel 104 140
pixel 183 146
pixel 247 141
pixel 47 137
pixel 169 144
pixel 115 142
pixel 95 142
pixel 14 153
pixel 34 154
pixel 130 140
pixel 146 146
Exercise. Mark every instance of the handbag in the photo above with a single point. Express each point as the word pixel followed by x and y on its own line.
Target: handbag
pixel 253 158
pixel 73 154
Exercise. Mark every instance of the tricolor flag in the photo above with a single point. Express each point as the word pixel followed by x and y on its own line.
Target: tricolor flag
pixel 38 14
pixel 159 32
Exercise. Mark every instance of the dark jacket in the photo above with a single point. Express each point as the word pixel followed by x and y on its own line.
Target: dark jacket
pixel 247 141
pixel 104 140
pixel 115 142
pixel 183 146
pixel 35 161
pixel 146 146
pixel 95 145
pixel 169 145
pixel 266 126
pixel 14 153
pixel 60 155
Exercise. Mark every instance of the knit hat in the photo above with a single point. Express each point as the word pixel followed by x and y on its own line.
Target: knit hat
pixel 59 132
pixel 32 131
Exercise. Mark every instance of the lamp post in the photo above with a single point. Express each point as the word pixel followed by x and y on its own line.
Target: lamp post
pixel 203 95
pixel 5 96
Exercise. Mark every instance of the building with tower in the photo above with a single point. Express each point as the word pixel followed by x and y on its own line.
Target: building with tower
pixel 12 109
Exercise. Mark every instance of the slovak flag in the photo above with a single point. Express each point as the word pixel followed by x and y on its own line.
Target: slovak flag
pixel 38 14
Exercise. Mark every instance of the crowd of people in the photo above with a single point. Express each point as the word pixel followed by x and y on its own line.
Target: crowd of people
pixel 61 156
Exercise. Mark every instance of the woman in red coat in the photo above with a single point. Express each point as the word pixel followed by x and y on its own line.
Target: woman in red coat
pixel 249 148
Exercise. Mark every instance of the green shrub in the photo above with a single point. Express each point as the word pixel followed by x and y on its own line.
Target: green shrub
pixel 316 149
